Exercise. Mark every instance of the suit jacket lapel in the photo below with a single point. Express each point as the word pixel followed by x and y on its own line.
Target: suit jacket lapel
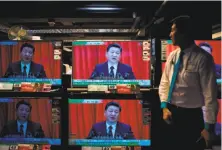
pixel 15 127
pixel 117 129
pixel 18 68
pixel 31 68
pixel 106 70
pixel 29 128
pixel 104 132
pixel 118 69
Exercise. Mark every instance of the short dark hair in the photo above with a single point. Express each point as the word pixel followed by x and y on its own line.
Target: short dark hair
pixel 27 45
pixel 206 44
pixel 183 24
pixel 112 103
pixel 114 45
pixel 24 103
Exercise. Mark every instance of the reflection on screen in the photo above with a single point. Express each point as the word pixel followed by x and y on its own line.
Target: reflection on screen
pixel 98 122
pixel 111 62
pixel 29 61
pixel 29 121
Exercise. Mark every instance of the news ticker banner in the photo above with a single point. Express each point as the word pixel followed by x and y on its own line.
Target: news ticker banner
pixel 30 141
pixel 118 88
pixel 19 80
pixel 110 82
pixel 85 101
pixel 88 101
pixel 84 142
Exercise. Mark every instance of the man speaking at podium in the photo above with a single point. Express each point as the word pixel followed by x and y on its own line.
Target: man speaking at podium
pixel 22 127
pixel 25 67
pixel 111 128
pixel 112 69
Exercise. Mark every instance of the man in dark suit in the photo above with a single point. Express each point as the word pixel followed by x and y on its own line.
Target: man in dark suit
pixel 112 69
pixel 22 127
pixel 25 67
pixel 111 128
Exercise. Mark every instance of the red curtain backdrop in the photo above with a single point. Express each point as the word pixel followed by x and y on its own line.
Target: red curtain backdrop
pixel 44 55
pixel 41 113
pixel 83 116
pixel 86 57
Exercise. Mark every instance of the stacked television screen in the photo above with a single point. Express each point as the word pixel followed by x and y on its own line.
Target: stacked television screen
pixel 36 121
pixel 30 120
pixel 90 63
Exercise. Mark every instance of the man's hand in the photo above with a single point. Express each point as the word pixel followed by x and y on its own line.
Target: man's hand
pixel 206 135
pixel 167 115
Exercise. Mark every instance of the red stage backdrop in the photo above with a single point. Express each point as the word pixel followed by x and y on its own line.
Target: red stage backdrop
pixel 44 55
pixel 86 57
pixel 83 116
pixel 41 113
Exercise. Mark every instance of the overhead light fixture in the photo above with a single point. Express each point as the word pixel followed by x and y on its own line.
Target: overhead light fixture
pixel 100 8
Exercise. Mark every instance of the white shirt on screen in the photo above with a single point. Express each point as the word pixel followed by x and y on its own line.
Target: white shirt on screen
pixel 115 68
pixel 24 127
pixel 113 128
pixel 27 67
pixel 196 82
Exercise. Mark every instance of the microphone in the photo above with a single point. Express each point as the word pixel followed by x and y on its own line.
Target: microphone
pixel 91 134
pixel 7 74
pixel 118 136
pixel 101 75
pixel 29 135
pixel 31 75
pixel 38 75
pixel 94 74
pixel 126 76
pixel 119 76
pixel 38 133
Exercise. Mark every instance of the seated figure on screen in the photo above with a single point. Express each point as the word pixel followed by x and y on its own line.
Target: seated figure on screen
pixel 112 68
pixel 111 128
pixel 25 67
pixel 22 127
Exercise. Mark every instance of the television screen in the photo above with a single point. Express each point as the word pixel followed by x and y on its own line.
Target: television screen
pixel 30 61
pixel 30 121
pixel 103 122
pixel 111 62
pixel 213 47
